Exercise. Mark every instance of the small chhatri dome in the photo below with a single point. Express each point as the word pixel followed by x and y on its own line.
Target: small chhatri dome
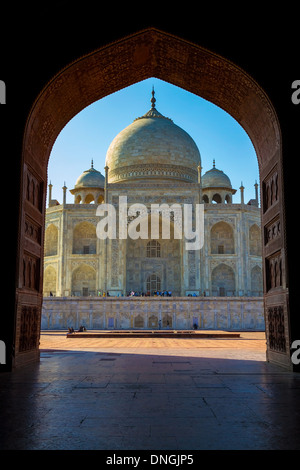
pixel 89 187
pixel 215 178
pixel 153 147
pixel 90 179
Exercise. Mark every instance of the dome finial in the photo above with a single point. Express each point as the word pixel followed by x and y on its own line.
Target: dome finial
pixel 153 100
pixel 214 163
pixel 92 163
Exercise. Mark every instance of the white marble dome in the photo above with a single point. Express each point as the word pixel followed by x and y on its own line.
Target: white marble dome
pixel 90 179
pixel 153 147
pixel 215 178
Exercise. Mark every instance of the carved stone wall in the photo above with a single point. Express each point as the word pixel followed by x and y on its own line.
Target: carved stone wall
pixel 270 190
pixel 29 328
pixel 277 339
pixel 275 280
pixel 142 312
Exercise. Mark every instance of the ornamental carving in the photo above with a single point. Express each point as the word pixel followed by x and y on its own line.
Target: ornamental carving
pixel 34 191
pixel 55 222
pixel 29 328
pixel 220 261
pixel 277 341
pixel 136 171
pixel 161 199
pixel 255 264
pixel 274 271
pixel 52 264
pixel 47 131
pixel 215 220
pixel 31 271
pixel 270 190
pixel 90 220
pixel 192 269
pixel 92 263
pixel 115 263
pixel 33 231
pixel 272 231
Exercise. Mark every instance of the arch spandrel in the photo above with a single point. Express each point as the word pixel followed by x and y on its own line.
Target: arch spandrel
pixel 153 53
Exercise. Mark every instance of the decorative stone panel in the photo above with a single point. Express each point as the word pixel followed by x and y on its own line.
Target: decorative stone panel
pixel 270 190
pixel 277 341
pixel 29 328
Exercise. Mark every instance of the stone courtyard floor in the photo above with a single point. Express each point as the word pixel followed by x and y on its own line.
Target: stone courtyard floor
pixel 156 394
pixel 250 345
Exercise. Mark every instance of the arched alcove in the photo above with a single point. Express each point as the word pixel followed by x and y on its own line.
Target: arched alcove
pixel 50 277
pixel 223 281
pixel 152 53
pixel 51 240
pixel 255 240
pixel 84 238
pixel 222 238
pixel 83 280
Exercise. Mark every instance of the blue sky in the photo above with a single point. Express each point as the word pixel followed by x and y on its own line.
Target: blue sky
pixel 88 135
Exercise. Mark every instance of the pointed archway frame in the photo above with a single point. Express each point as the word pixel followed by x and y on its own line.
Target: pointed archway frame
pixel 145 54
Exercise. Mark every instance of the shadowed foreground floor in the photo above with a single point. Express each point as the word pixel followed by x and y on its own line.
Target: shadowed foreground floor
pixel 150 393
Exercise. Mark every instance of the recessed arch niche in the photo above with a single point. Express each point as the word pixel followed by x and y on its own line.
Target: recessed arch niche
pixel 145 54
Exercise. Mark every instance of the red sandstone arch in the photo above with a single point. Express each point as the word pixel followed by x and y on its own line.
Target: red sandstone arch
pixel 149 53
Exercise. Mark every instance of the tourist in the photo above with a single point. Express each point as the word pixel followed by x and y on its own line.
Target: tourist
pixel 82 328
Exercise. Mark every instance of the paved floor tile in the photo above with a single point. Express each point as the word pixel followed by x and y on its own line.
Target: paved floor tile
pixel 150 395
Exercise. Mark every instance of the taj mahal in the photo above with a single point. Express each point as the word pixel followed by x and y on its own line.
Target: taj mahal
pixel 144 282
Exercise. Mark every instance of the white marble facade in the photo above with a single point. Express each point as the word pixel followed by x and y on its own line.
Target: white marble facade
pixel 153 161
